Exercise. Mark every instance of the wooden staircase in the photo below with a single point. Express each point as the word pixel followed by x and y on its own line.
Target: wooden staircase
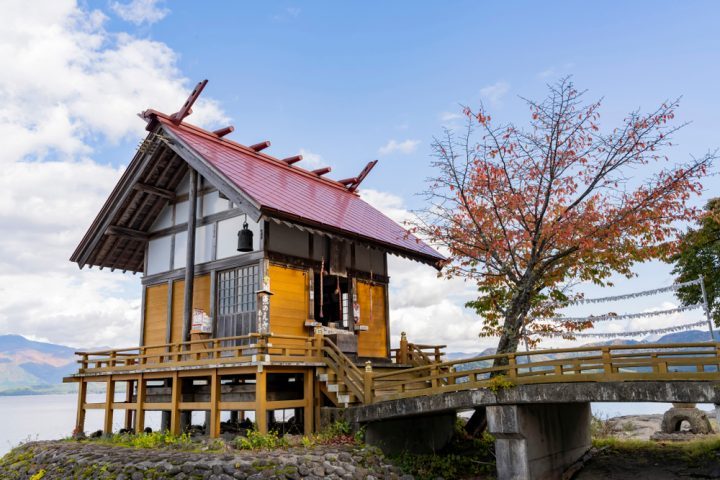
pixel 335 389
pixel 340 379
pixel 346 385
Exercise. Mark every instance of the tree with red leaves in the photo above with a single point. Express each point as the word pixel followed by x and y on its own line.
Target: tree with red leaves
pixel 527 213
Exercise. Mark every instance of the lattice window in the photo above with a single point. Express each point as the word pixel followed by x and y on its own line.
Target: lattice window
pixel 237 294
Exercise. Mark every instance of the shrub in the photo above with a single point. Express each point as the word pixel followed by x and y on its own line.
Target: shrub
pixel 601 426
pixel 150 440
pixel 499 382
pixel 260 441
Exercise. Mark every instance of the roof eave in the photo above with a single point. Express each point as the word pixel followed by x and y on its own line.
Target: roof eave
pixel 436 262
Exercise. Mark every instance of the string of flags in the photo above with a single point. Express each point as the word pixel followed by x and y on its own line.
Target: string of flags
pixel 625 316
pixel 628 316
pixel 638 333
pixel 646 293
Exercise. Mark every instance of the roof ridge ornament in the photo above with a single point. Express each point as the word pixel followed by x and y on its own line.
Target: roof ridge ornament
pixel 186 109
pixel 353 183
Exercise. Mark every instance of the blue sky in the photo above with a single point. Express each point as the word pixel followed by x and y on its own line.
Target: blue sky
pixel 342 82
pixel 342 79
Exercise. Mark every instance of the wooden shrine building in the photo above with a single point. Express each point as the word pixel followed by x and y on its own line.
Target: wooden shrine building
pixel 264 285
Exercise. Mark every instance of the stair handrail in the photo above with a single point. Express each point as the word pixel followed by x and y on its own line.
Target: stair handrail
pixel 348 373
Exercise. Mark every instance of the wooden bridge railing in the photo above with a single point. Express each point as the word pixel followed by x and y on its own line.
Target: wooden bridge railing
pixel 416 354
pixel 687 361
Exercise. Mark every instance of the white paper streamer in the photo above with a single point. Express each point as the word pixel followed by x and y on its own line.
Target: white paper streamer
pixel 625 316
pixel 638 333
pixel 645 293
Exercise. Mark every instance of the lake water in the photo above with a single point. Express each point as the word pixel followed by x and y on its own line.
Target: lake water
pixel 48 417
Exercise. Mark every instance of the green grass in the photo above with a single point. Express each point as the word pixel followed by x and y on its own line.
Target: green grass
pixel 149 440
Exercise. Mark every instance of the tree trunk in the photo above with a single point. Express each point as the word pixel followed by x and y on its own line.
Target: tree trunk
pixel 514 319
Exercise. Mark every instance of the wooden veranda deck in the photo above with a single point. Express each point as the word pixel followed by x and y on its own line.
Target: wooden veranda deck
pixel 423 372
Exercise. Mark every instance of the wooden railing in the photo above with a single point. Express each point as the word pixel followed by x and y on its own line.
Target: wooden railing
pixel 647 362
pixel 238 349
pixel 416 354
pixel 687 361
pixel 346 371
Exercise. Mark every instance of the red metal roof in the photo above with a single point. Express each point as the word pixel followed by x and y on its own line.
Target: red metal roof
pixel 294 193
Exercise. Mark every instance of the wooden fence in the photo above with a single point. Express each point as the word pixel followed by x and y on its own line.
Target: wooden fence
pixel 429 375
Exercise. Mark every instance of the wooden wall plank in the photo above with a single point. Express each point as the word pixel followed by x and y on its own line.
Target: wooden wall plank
pixel 289 302
pixel 201 299
pixel 373 342
pixel 155 328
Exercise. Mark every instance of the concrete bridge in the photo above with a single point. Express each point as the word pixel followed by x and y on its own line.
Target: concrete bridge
pixel 540 429
pixel 540 412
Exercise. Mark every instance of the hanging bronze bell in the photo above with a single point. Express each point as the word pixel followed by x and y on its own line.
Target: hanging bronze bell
pixel 245 239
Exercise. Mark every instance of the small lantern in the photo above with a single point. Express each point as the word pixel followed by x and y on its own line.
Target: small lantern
pixel 245 239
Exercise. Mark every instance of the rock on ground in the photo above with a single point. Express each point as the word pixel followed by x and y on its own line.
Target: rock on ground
pixel 87 460
pixel 641 427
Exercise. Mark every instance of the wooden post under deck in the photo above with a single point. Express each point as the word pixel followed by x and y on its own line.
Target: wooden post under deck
pixel 82 397
pixel 261 400
pixel 140 408
pixel 308 391
pixel 214 407
pixel 128 399
pixel 190 256
pixel 109 397
pixel 175 404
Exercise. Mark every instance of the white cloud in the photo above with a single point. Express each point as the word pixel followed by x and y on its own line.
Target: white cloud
pixel 553 72
pixel 311 160
pixel 140 11
pixel 405 147
pixel 494 93
pixel 449 116
pixel 70 88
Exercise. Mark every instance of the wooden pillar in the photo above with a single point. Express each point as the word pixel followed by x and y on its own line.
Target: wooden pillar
pixel 261 400
pixel 140 408
pixel 403 353
pixel 308 409
pixel 368 383
pixel 317 403
pixel 109 397
pixel 175 404
pixel 128 399
pixel 82 397
pixel 214 404
pixel 190 256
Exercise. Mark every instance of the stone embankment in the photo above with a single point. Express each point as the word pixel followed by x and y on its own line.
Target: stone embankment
pixel 89 460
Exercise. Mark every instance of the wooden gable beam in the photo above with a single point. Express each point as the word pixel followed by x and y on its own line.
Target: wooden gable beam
pixel 112 205
pixel 243 201
pixel 119 231
pixel 153 190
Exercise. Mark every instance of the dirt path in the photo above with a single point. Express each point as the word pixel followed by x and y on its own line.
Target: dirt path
pixel 651 462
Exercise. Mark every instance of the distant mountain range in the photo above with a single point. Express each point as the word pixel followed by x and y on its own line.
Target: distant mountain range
pixel 28 367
